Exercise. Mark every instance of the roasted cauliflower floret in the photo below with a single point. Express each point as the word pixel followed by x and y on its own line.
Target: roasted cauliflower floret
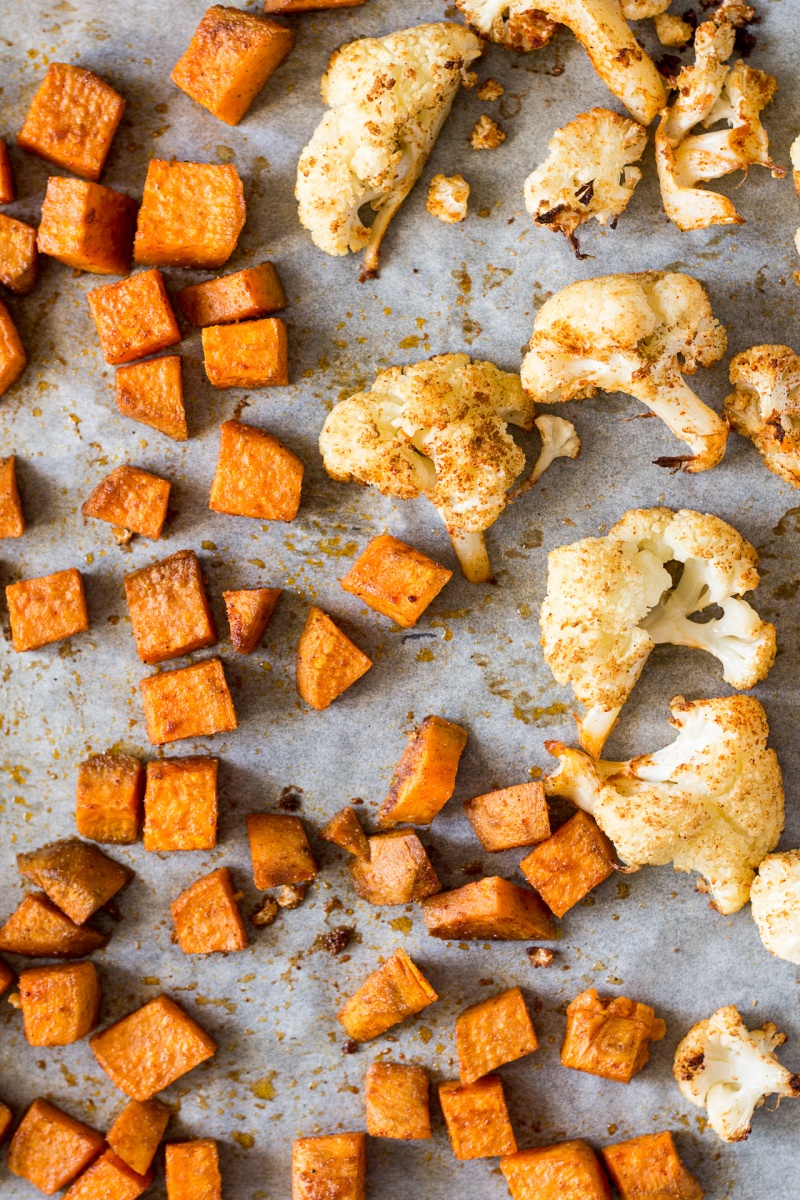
pixel 637 334
pixel 730 1070
pixel 486 134
pixel 775 904
pixel 765 406
pixel 795 157
pixel 448 196
pixel 388 98
pixel 516 24
pixel 672 30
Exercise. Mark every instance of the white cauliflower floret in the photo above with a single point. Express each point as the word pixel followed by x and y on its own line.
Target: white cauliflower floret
pixel 388 99
pixel 775 904
pixel 637 334
pixel 765 406
pixel 516 24
pixel 712 801
pixel 487 134
pixel 729 1070
pixel 448 196
pixel 672 30
pixel 610 600
pixel 587 173
pixel 794 153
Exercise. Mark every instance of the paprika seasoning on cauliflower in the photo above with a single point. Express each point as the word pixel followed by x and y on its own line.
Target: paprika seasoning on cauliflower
pixel 775 904
pixel 764 406
pixel 515 24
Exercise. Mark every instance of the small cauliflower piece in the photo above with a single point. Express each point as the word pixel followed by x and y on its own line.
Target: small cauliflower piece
pixel 487 134
pixel 388 99
pixel 640 10
pixel 794 153
pixel 729 1070
pixel 765 406
pixel 559 440
pixel 775 904
pixel 672 30
pixel 515 24
pixel 637 334
pixel 447 198
pixel 490 89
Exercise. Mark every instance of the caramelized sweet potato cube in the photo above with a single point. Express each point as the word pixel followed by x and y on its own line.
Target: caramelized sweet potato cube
pixel 253 354
pixel 295 6
pixel 13 359
pixel 496 1031
pixel 135 1135
pixel 192 1170
pixel 50 1148
pixel 130 499
pixel 180 804
pixel 280 850
pixel 6 1121
pixel 12 519
pixel 191 215
pixel 397 871
pixel 253 292
pixel 511 817
pixel 152 1047
pixel 249 613
pixel 397 990
pixel 398 1101
pixel 425 777
pixel 61 1004
pixel 152 393
pixel 491 908
pixel 575 859
pixel 330 1168
pixel 256 476
pixel 477 1119
pixel 609 1038
pixel 344 829
pixel 649 1168
pixel 133 317
pixel 6 176
pixel 6 976
pixel 72 120
pixel 565 1171
pixel 75 875
pixel 395 579
pixel 170 615
pixel 19 264
pixel 37 929
pixel 109 798
pixel 109 1178
pixel 207 917
pixel 328 663
pixel 87 226
pixel 47 609
pixel 190 702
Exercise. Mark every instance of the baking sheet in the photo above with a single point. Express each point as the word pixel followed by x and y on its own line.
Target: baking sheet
pixel 475 657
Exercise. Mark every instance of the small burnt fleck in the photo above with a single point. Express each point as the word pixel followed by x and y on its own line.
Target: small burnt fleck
pixel 473 868
pixel 540 956
pixel 338 939
pixel 668 67
pixel 349 1047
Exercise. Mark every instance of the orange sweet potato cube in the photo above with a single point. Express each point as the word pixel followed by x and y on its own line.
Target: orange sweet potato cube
pixel 109 1178
pixel 6 176
pixel 511 817
pixel 60 1004
pixel 75 875
pixel 249 613
pixel 609 1038
pixel 87 226
pixel 395 579
pixel 329 1168
pixel 50 1148
pixel 135 1135
pixel 192 1170
pixel 12 519
pixel 133 317
pixel 253 292
pixel 398 1101
pixel 190 702
pixel 6 976
pixel 72 120
pixel 109 798
pixel 397 871
pixel 180 804
pixel 152 1047
pixel 47 609
pixel 256 476
pixel 477 1119
pixel 328 663
pixel 575 859
pixel 207 917
pixel 191 215
pixel 13 359
pixel 496 1031
pixel 295 6
pixel 649 1168
pixel 252 354
pixel 425 777
pixel 565 1171
pixel 19 263
pixel 6 1121
pixel 130 499
pixel 492 909
pixel 229 59
pixel 37 929
pixel 397 990
pixel 170 615
pixel 280 850
pixel 344 829
pixel 152 393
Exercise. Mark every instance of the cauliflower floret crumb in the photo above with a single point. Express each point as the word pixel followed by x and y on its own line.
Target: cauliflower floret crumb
pixel 775 903
pixel 491 90
pixel 447 198
pixel 794 154
pixel 672 30
pixel 487 134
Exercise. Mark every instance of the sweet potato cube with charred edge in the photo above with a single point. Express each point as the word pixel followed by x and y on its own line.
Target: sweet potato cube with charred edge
pixel 496 1031
pixel 19 263
pixel 47 609
pixel 12 519
pixel 397 990
pixel 395 579
pixel 649 1168
pixel 37 929
pixel 13 359
pixel 295 6
pixel 398 870
pixel 75 875
pixel 609 1037
pixel 135 1135
pixel 87 226
pixel 133 317
pixel 169 611
pixel 6 176
pixel 180 804
pixel 253 354
pixel 329 1168
pixel 492 909
pixel 575 859
pixel 280 850
pixel 192 1170
pixel 191 215
pixel 425 777
pixel 397 1097
pixel 190 702
pixel 152 393
pixel 253 292
pixel 6 1121
pixel 249 613
pixel 511 817
pixel 130 499
pixel 6 976
pixel 344 829
pixel 61 1004
pixel 328 663
pixel 72 120
pixel 109 798
pixel 565 1171
pixel 109 1178
pixel 256 476
pixel 476 1118
pixel 50 1148
pixel 207 917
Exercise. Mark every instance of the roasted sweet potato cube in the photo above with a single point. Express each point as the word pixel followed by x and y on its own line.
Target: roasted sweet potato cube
pixel 61 1004
pixel 72 120
pixel 425 777
pixel 496 1031
pixel 328 663
pixel 6 176
pixel 170 615
pixel 330 1168
pixel 191 215
pixel 397 990
pixel 131 499
pixel 395 579
pixel 6 1121
pixel 6 976
pixel 511 817
pixel 47 609
pixel 19 263
pixel 649 1168
pixel 476 1118
pixel 190 702
pixel 133 317
pixel 344 829
pixel 87 226
pixel 109 798
pixel 256 476
pixel 76 876
pixel 565 1171
pixel 575 859
pixel 50 1148
pixel 37 929
pixel 192 1170
pixel 398 1101
pixel 13 359
pixel 397 871
pixel 135 1135
pixel 12 519
pixel 280 850
pixel 180 804
pixel 249 613
pixel 253 292
pixel 207 917
pixel 492 909
pixel 295 6
pixel 152 393
pixel 252 354
pixel 109 1178
pixel 609 1038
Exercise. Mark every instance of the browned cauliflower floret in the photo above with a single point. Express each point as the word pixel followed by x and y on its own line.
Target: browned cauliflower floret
pixel 765 406
pixel 672 30
pixel 517 24
pixel 447 198
pixel 795 156
pixel 490 89
pixel 775 904
pixel 487 134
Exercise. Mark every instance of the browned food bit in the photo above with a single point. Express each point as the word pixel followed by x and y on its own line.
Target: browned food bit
pixel 109 798
pixel 137 1131
pixel 496 1031
pixel 609 1037
pixel 192 1170
pixel 558 1172
pixel 295 6
pixel 180 804
pixel 253 292
pixel 47 609
pixel 109 1178
pixel 252 354
pixel 491 908
pixel 61 1004
pixel 170 614
pixel 37 929
pixel 152 393
pixel 487 134
pixel 50 1148
pixel 511 817
pixel 249 613
pixel 13 359
pixel 395 579
pixel 6 176
pixel 19 264
pixel 397 1098
pixel 329 1168
pixel 649 1168
pixel 280 850
pixel 338 939
pixel 75 875
pixel 266 913
pixel 191 214
pixel 476 1118
pixel 133 317
pixel 397 871
pixel 425 777
pixel 395 991
pixel 189 702
pixel 12 518
pixel 540 956
pixel 207 917
pixel 569 864
pixel 328 663
pixel 87 226
pixel 131 499
pixel 344 829
pixel 6 976
pixel 72 120
pixel 292 895
pixel 256 476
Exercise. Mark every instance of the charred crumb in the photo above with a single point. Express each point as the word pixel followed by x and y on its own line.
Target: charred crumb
pixel 585 192
pixel 552 214
pixel 473 868
pixel 349 1047
pixel 337 940
pixel 576 249
pixel 540 956
pixel 669 67
pixel 291 799
pixel 677 462
pixel 744 42
pixel 266 914
pixel 690 16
